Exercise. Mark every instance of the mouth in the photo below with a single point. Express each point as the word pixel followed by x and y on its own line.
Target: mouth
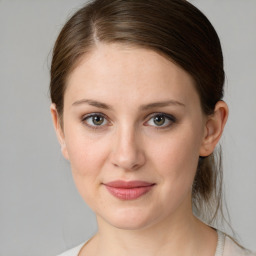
pixel 128 190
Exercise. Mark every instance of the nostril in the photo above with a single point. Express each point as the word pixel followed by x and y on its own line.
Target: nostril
pixel 129 163
pixel 127 153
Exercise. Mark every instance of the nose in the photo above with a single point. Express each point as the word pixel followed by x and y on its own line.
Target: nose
pixel 127 151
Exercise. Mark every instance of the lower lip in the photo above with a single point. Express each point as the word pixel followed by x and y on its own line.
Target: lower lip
pixel 129 193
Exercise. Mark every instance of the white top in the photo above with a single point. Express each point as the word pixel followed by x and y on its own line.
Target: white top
pixel 225 247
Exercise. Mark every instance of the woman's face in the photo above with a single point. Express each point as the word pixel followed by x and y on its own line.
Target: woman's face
pixel 132 115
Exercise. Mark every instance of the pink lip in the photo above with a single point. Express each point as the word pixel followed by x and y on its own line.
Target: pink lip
pixel 128 190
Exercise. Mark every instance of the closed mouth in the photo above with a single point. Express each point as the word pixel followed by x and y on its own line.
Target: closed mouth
pixel 128 190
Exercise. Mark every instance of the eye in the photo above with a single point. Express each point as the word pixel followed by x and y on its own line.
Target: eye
pixel 161 120
pixel 95 120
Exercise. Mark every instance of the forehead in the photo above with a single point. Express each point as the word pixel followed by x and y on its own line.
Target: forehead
pixel 123 72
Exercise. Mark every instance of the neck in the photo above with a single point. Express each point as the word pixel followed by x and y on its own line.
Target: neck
pixel 159 239
pixel 180 236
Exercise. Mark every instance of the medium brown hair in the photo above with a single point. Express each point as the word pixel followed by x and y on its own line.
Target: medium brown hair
pixel 175 29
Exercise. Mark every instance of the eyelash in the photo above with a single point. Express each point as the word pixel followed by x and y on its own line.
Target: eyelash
pixel 95 127
pixel 167 117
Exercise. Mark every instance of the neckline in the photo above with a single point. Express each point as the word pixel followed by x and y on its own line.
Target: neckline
pixel 218 252
pixel 220 243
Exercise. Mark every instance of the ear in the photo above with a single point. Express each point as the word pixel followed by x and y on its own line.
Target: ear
pixel 214 128
pixel 59 130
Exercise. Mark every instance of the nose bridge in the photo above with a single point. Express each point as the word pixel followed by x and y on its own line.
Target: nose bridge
pixel 127 149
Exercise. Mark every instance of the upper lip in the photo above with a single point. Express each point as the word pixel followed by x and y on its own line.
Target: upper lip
pixel 128 184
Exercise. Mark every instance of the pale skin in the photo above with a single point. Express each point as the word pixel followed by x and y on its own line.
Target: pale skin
pixel 127 88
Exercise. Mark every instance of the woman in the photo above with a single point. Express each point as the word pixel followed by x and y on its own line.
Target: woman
pixel 136 89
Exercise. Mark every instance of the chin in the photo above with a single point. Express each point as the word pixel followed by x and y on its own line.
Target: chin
pixel 129 219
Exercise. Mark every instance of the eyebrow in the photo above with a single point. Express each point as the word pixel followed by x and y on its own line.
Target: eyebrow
pixel 161 104
pixel 92 103
pixel 143 107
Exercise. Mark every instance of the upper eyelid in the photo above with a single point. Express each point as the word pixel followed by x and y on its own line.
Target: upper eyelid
pixel 171 117
pixel 94 114
pixel 148 117
pixel 86 116
pixel 172 120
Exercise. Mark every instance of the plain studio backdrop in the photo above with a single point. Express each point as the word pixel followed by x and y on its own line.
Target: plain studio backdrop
pixel 41 213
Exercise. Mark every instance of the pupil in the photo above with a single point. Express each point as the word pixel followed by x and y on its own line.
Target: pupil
pixel 159 120
pixel 97 120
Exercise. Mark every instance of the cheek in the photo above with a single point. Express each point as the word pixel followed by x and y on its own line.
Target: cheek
pixel 87 158
pixel 87 155
pixel 177 171
pixel 85 150
pixel 177 159
pixel 180 148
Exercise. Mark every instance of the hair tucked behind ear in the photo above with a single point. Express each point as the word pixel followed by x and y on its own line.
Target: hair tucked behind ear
pixel 173 28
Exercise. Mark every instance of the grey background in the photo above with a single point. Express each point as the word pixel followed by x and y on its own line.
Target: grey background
pixel 41 212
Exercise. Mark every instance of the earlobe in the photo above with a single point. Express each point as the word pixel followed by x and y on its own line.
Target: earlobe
pixel 214 128
pixel 59 130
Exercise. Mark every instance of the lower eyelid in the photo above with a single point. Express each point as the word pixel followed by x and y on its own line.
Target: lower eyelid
pixel 171 120
pixel 92 126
